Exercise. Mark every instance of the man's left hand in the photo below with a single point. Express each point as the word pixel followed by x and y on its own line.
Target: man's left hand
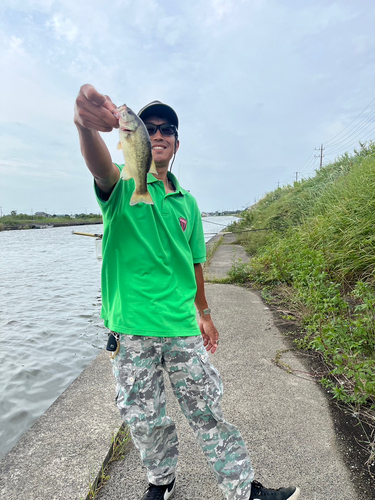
pixel 209 333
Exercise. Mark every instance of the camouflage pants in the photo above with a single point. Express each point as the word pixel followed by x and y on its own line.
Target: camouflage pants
pixel 138 369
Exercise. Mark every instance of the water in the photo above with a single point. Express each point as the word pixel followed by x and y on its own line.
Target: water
pixel 50 328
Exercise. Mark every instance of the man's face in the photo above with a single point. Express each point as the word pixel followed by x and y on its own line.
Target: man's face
pixel 163 146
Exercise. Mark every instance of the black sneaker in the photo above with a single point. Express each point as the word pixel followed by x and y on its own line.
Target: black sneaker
pixel 164 492
pixel 259 492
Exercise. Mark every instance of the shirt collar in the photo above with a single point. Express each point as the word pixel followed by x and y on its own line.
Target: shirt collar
pixel 151 178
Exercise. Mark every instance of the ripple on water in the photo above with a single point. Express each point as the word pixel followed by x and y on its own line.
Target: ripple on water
pixel 49 317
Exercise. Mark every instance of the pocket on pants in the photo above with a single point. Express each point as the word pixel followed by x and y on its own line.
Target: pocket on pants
pixel 213 387
pixel 127 393
pixel 137 397
pixel 197 386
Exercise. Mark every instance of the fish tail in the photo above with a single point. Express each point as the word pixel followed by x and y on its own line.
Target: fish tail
pixel 141 198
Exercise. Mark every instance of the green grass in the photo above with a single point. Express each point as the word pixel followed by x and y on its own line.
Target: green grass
pixel 320 252
pixel 119 448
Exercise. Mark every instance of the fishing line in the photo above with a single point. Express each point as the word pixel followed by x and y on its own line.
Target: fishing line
pixel 217 223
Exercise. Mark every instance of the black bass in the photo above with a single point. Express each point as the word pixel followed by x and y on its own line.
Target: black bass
pixel 136 147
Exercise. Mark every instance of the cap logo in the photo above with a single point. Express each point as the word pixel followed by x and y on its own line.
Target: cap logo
pixel 183 223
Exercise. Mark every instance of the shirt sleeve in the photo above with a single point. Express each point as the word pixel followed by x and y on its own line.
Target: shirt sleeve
pixel 108 203
pixel 197 241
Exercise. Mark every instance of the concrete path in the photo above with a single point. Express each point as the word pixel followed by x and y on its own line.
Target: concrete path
pixel 226 255
pixel 284 418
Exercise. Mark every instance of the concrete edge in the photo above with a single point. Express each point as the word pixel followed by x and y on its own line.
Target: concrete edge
pixel 62 455
pixel 96 483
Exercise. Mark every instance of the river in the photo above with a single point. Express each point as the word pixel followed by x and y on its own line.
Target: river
pixel 50 328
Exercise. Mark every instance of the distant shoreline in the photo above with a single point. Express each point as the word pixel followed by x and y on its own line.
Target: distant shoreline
pixel 40 225
pixel 10 223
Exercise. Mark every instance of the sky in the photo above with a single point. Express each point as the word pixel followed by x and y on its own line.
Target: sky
pixel 257 86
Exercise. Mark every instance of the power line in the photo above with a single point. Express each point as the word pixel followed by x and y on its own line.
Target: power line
pixel 352 144
pixel 360 133
pixel 357 134
pixel 359 128
pixel 354 138
pixel 327 142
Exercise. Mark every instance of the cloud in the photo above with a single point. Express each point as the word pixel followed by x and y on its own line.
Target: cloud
pixel 221 8
pixel 16 45
pixel 63 27
pixel 255 83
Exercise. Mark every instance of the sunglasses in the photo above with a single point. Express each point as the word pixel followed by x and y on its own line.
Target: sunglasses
pixel 165 129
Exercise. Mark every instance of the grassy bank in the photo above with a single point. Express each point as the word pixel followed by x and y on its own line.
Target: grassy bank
pixel 23 221
pixel 318 256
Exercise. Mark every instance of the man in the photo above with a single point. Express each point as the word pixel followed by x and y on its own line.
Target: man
pixel 151 278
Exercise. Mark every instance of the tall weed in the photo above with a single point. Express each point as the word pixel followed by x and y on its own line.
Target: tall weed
pixel 321 244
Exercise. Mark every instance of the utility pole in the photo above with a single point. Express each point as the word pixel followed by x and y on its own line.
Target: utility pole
pixel 321 149
pixel 296 175
pixel 278 184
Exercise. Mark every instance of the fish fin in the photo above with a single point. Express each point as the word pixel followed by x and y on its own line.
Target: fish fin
pixel 125 173
pixel 153 168
pixel 119 145
pixel 141 198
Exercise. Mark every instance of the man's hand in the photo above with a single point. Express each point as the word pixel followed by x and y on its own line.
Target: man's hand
pixel 93 114
pixel 93 111
pixel 209 333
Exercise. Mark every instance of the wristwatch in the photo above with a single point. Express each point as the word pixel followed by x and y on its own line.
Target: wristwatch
pixel 205 311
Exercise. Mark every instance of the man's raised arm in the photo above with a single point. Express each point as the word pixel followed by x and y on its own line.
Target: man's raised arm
pixel 93 114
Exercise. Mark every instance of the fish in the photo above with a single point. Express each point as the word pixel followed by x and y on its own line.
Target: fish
pixel 136 147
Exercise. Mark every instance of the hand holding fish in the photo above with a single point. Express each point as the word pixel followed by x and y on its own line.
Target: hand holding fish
pixel 93 114
pixel 93 111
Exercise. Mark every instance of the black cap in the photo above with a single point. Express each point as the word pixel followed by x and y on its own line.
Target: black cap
pixel 157 108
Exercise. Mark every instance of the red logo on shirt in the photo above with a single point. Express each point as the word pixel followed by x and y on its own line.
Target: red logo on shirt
pixel 183 223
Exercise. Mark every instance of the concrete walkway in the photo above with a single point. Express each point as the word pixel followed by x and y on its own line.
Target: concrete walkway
pixel 284 419
pixel 227 254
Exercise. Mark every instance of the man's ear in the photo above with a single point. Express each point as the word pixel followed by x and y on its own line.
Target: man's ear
pixel 176 145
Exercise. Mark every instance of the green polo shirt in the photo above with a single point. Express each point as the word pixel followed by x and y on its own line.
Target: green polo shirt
pixel 149 252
